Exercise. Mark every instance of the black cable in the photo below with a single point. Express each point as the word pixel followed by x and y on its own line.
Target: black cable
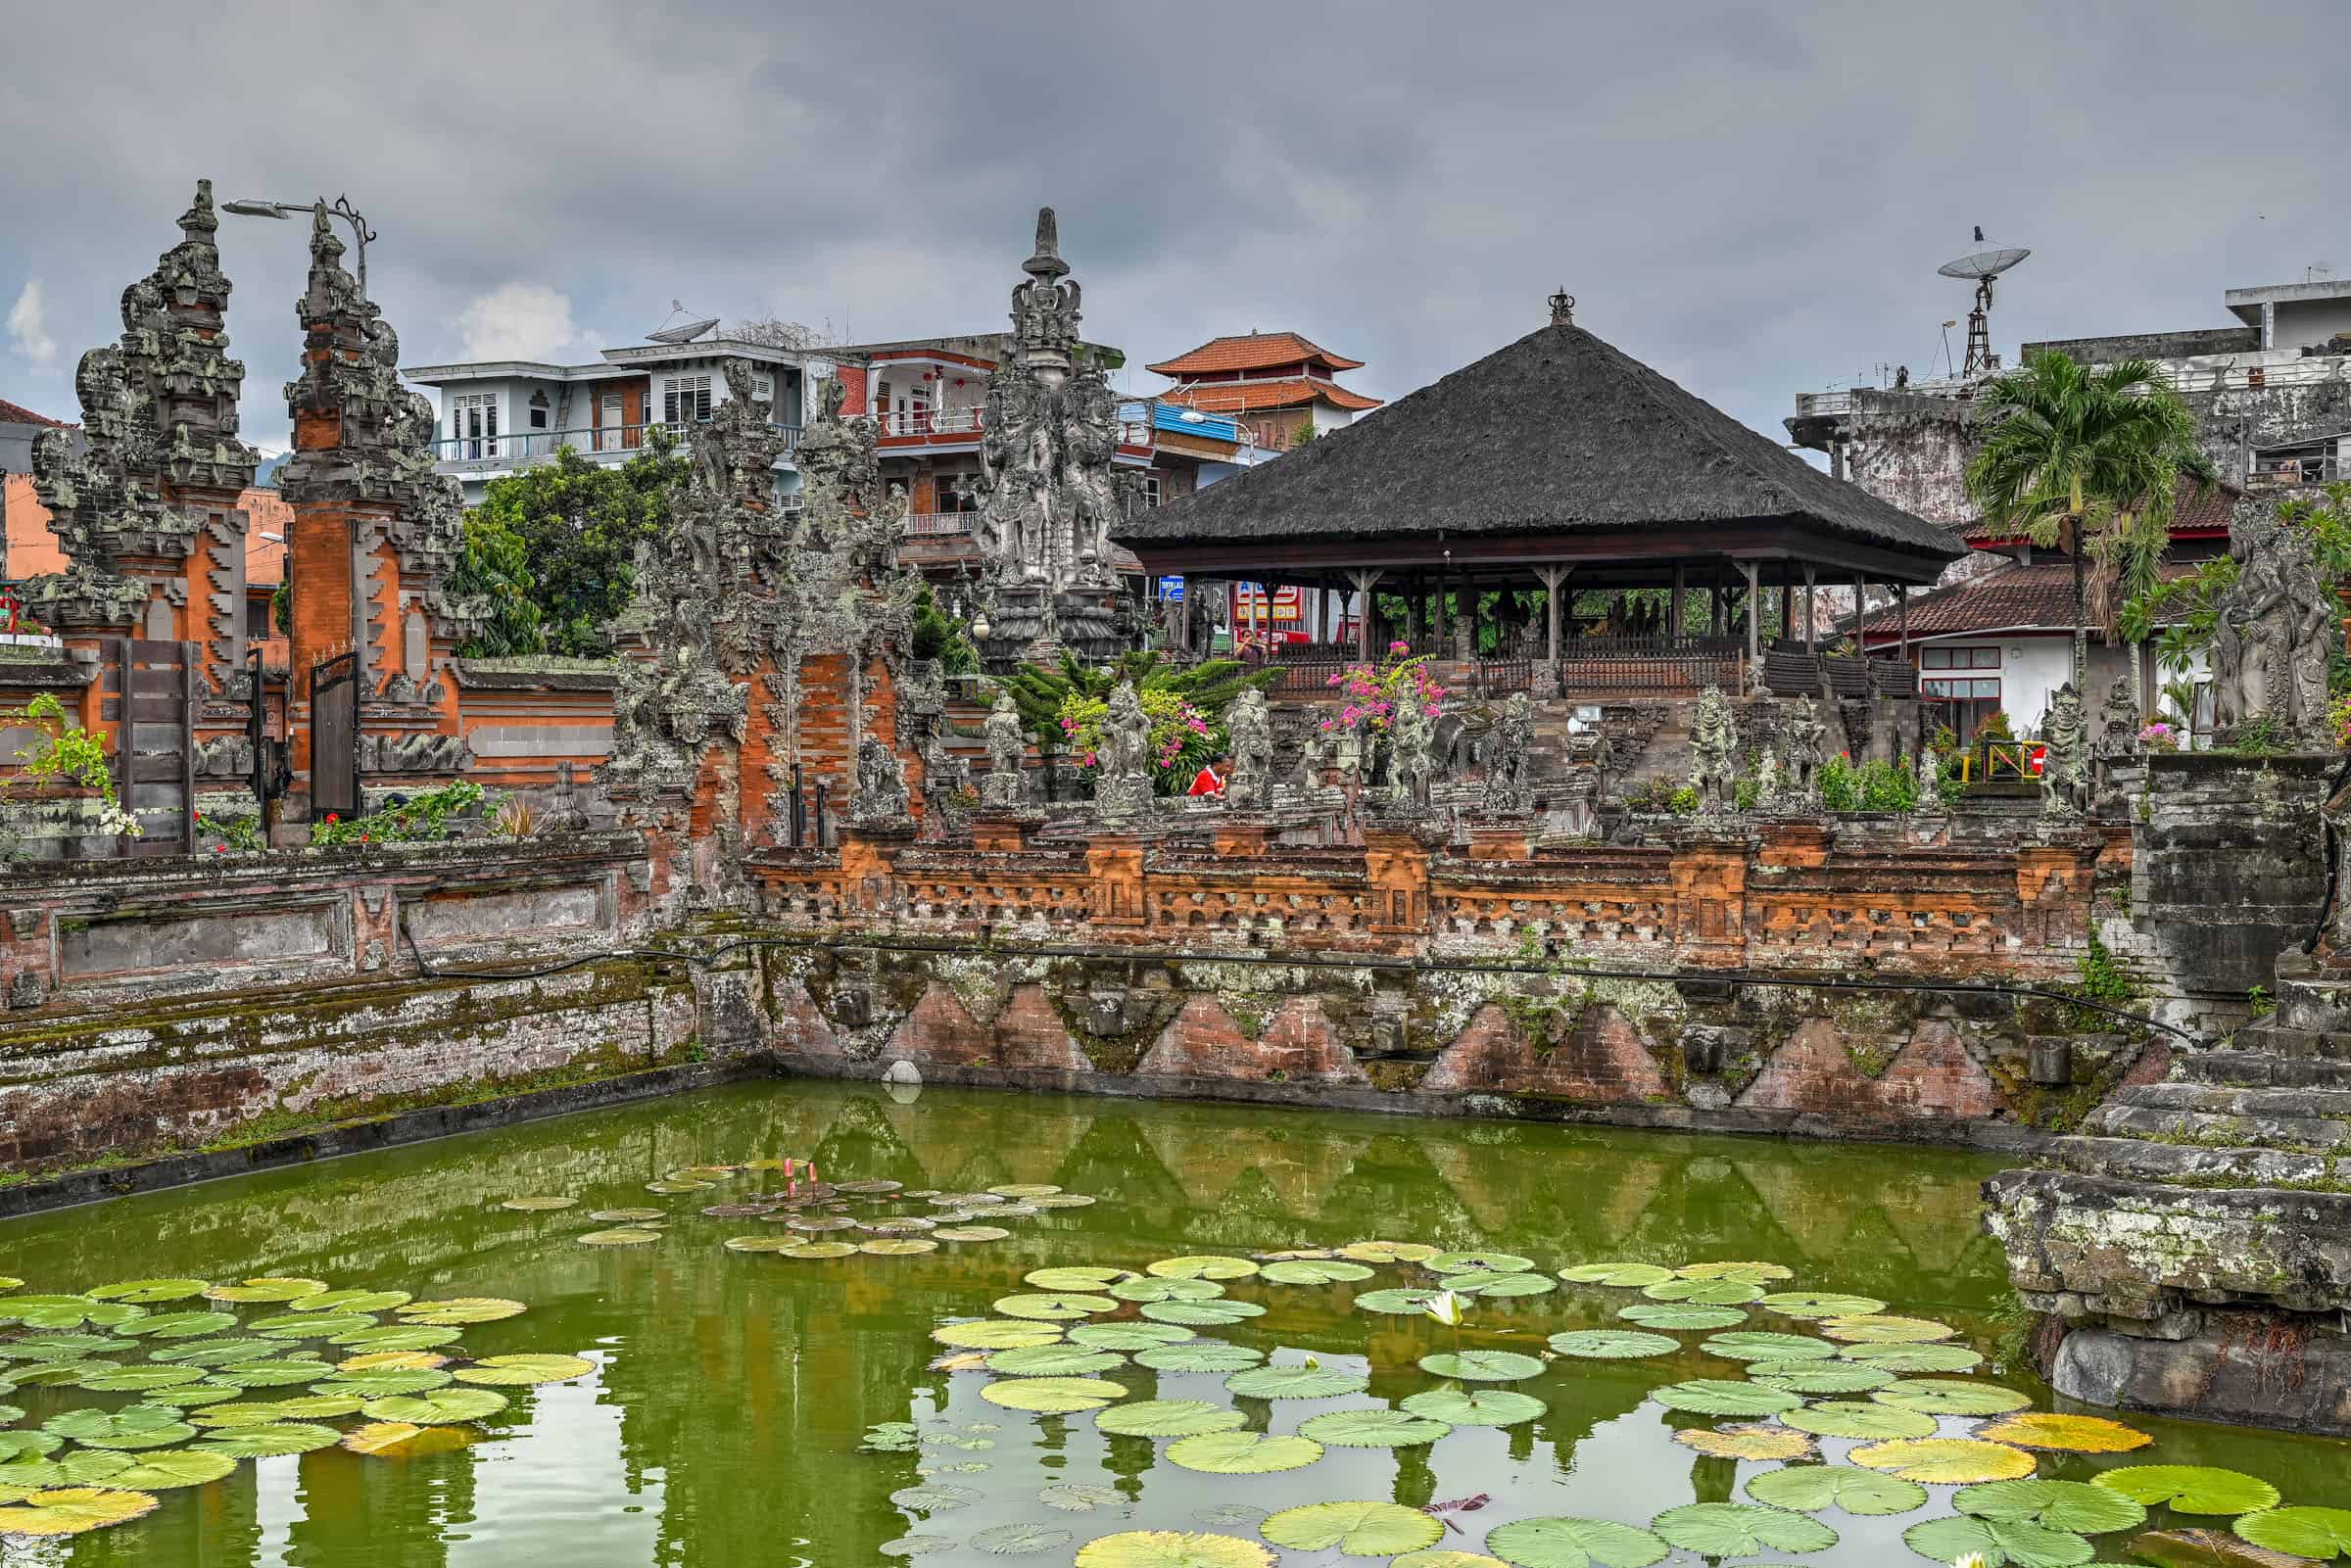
pixel 986 944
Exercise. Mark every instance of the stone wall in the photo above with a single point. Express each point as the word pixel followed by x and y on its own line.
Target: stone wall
pixel 2226 868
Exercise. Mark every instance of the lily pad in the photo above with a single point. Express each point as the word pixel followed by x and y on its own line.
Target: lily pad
pixel 406 1359
pixel 1752 1345
pixel 761 1244
pixel 2063 1505
pixel 1372 1429
pixel 416 1336
pixel 1295 1383
pixel 1488 1286
pixel 1314 1271
pixel 2067 1433
pixel 1914 1357
pixel 1054 1200
pixel 1447 1557
pixel 1821 1377
pixel 295 1326
pixel 71 1510
pixel 56 1346
pixel 267 1374
pixel 1021 1540
pixel 1997 1543
pixel 269 1442
pixel 1710 1395
pixel 995 1334
pixel 1559 1541
pixel 1473 1406
pixel 1876 1328
pixel 618 1236
pixel 613 1217
pixel 516 1372
pixel 1198 1355
pixel 267 1288
pixel 817 1249
pixel 1077 1496
pixel 1080 1280
pixel 1704 1291
pixel 35 1445
pixel 1401 1302
pixel 1682 1314
pixel 1860 1418
pixel 668 1187
pixel 168 1469
pixel 381 1437
pixel 461 1311
pixel 1820 1303
pixel 1055 1307
pixel 1201 1314
pixel 67 1311
pixel 1483 1366
pixel 1353 1529
pixel 1388 1252
pixel 43 1374
pixel 937 1497
pixel 1053 1395
pixel 1753 1442
pixel 1202 1267
pixel 139 1426
pixel 538 1204
pixel 1023 1189
pixel 962 1233
pixel 218 1352
pixel 1478 1263
pixel 1130 1336
pixel 140 1379
pixel 1943 1395
pixel 149 1290
pixel 898 1246
pixel 1810 1488
pixel 177 1325
pixel 374 1383
pixel 1945 1462
pixel 1172 1549
pixel 1740 1530
pixel 435 1407
pixel 2190 1488
pixel 1613 1344
pixel 1169 1418
pixel 1751 1273
pixel 1150 1289
pixel 1059 1360
pixel 2320 1532
pixel 352 1300
pixel 1624 1276
pixel 1241 1454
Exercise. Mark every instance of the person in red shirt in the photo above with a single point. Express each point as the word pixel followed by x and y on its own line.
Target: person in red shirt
pixel 1210 780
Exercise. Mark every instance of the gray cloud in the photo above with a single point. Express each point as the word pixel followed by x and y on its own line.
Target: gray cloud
pixel 1751 199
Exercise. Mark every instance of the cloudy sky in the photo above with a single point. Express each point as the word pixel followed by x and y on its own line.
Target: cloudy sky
pixel 1753 199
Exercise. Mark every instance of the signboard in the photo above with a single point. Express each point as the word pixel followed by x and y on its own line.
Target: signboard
pixel 1171 590
pixel 1249 605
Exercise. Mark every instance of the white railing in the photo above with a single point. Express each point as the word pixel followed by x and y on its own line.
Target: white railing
pixel 611 443
pixel 940 522
pixel 927 421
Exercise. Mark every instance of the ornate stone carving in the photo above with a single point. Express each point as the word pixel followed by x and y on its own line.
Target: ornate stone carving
pixel 415 754
pixel 158 417
pixel 1930 782
pixel 2064 754
pixel 1006 745
pixel 1800 755
pixel 1412 758
pixel 881 799
pixel 1124 756
pixel 2274 630
pixel 1769 795
pixel 2118 721
pixel 1714 756
pixel 1251 729
pixel 1506 758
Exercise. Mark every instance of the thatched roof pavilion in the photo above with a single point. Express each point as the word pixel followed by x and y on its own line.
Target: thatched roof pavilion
pixel 1557 460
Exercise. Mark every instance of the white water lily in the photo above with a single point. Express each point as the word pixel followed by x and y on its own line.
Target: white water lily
pixel 1446 1307
pixel 1974 1559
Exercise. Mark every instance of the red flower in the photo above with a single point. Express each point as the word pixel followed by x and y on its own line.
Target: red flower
pixel 331 816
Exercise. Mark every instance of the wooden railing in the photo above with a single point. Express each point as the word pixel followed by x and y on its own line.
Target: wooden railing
pixel 1612 663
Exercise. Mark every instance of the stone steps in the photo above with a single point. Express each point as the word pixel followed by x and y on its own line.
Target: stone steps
pixel 2274 1038
pixel 2242 1100
pixel 2221 1132
pixel 2182 1164
pixel 2263 1068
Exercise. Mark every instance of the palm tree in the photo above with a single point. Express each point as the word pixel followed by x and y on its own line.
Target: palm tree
pixel 2089 461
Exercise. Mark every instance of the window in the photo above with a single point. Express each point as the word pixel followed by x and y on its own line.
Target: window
pixel 258 623
pixel 538 411
pixel 684 400
pixel 473 424
pixel 1150 490
pixel 1947 658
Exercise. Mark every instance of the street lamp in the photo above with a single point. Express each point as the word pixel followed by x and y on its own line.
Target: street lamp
pixel 341 209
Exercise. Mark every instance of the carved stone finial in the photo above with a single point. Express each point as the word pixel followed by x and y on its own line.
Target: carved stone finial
pixel 325 249
pixel 1562 309
pixel 199 222
pixel 1046 263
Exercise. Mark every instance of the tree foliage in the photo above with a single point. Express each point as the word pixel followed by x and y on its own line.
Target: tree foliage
pixel 1208 686
pixel 572 529
pixel 495 566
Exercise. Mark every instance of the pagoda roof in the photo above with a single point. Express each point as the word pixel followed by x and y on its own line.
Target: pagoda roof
pixel 1559 432
pixel 1253 351
pixel 1289 391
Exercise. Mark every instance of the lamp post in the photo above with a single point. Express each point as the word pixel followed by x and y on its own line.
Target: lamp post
pixel 341 209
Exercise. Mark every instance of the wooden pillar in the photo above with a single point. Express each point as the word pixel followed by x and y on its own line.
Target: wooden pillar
pixel 1860 592
pixel 1714 604
pixel 1901 605
pixel 1673 617
pixel 1787 607
pixel 1754 610
pixel 1811 613
pixel 1554 582
pixel 1363 580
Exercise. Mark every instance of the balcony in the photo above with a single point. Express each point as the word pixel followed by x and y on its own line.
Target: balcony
pixel 935 523
pixel 612 443
pixel 922 427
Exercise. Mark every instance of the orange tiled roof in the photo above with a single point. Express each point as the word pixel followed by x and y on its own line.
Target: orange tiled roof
pixel 1251 351
pixel 1238 397
pixel 15 414
pixel 2039 598
pixel 2192 513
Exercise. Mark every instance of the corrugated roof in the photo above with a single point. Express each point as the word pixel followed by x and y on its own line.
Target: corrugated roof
pixel 1555 433
pixel 1251 351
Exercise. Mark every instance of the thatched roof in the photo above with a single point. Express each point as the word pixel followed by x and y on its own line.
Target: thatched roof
pixel 1555 433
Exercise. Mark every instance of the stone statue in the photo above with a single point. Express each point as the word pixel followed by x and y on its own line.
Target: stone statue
pixel 2118 721
pixel 1006 745
pixel 1930 782
pixel 1506 758
pixel 2064 754
pixel 1313 756
pixel 2274 631
pixel 1801 759
pixel 1412 757
pixel 1122 756
pixel 1251 729
pixel 1714 752
pixel 1768 794
pixel 879 799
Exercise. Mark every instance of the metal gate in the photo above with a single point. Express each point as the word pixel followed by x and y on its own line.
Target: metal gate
pixel 154 744
pixel 335 737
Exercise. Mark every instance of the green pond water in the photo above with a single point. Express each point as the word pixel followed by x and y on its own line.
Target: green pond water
pixel 720 1420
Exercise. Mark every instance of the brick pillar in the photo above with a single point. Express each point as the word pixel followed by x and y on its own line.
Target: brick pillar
pixel 1709 897
pixel 318 565
pixel 1396 868
pixel 1114 863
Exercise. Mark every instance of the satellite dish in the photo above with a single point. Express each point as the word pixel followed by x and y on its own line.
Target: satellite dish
pixel 1984 263
pixel 683 331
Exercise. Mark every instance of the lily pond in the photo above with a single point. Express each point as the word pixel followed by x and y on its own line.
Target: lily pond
pixel 1006 1329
